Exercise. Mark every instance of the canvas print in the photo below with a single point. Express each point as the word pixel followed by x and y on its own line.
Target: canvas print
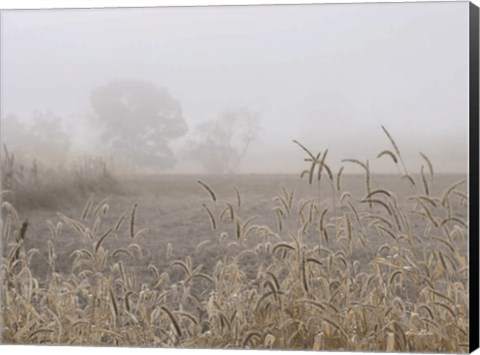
pixel 248 177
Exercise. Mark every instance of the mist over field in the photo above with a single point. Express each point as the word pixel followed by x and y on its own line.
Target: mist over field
pixel 326 75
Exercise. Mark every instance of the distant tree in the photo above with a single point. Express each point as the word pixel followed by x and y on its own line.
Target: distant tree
pixel 48 138
pixel 14 133
pixel 12 128
pixel 44 139
pixel 138 119
pixel 221 144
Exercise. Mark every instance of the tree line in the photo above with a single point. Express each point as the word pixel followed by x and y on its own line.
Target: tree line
pixel 135 123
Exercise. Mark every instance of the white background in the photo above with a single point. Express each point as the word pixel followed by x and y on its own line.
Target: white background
pixel 32 4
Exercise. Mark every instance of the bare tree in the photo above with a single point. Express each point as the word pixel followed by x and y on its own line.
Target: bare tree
pixel 221 144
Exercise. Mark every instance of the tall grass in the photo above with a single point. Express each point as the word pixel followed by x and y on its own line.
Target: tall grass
pixel 380 273
pixel 34 185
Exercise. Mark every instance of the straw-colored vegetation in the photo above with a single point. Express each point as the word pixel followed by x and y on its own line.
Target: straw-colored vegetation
pixel 36 186
pixel 379 273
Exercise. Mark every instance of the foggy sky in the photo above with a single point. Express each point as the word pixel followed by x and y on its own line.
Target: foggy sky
pixel 326 75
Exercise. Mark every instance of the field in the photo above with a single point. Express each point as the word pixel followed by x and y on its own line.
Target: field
pixel 224 177
pixel 356 262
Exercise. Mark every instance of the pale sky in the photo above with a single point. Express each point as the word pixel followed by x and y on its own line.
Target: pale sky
pixel 326 75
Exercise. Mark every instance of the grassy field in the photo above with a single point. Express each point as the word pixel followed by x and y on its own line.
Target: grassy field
pixel 171 208
pixel 345 262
